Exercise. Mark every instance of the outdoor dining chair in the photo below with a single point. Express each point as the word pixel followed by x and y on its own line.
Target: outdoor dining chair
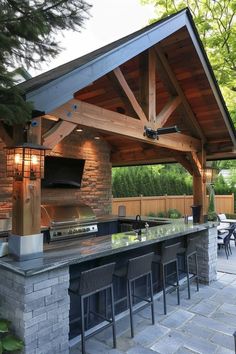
pixel 224 220
pixel 223 240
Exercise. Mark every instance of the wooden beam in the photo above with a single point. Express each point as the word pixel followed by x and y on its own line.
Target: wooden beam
pixel 145 156
pixel 6 138
pixel 166 112
pixel 57 133
pixel 182 159
pixel 148 84
pixel 194 126
pixel 88 115
pixel 130 95
pixel 196 164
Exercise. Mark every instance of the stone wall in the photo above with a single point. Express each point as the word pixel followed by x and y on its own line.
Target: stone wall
pixel 207 255
pixel 38 307
pixel 96 182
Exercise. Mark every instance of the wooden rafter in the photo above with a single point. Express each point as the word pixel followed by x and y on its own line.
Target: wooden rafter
pixel 194 126
pixel 82 113
pixel 166 112
pixel 57 133
pixel 129 94
pixel 148 84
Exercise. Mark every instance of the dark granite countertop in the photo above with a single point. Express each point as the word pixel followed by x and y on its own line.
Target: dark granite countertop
pixel 64 253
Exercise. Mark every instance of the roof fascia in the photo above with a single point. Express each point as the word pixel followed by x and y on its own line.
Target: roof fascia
pixel 61 90
pixel 210 76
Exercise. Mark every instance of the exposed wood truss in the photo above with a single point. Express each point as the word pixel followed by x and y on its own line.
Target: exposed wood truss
pixel 148 84
pixel 57 133
pixel 89 115
pixel 196 164
pixel 174 88
pixel 167 110
pixel 132 99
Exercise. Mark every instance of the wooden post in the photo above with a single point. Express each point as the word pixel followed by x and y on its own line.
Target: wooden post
pixel 26 212
pixel 199 188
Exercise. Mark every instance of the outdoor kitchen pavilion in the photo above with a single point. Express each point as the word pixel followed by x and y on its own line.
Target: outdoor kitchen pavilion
pixel 125 93
pixel 155 78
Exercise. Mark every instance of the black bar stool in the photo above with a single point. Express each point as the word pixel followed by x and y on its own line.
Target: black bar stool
pixel 137 268
pixel 91 282
pixel 168 256
pixel 190 251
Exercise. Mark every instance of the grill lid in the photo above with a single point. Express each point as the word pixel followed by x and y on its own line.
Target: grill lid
pixel 55 215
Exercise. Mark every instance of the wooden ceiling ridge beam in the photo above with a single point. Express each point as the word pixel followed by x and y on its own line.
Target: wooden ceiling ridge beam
pixel 86 114
pixel 172 81
pixel 166 111
pixel 57 133
pixel 130 95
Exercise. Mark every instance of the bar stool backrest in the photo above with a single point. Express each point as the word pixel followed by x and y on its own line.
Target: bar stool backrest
pixel 97 278
pixel 169 252
pixel 139 266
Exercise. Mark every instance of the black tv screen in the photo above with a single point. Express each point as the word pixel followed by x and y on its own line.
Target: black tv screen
pixel 62 172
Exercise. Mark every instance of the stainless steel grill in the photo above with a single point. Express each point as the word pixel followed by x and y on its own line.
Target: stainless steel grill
pixel 62 222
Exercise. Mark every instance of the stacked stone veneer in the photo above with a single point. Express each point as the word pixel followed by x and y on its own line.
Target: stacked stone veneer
pixel 96 182
pixel 96 189
pixel 38 307
pixel 207 255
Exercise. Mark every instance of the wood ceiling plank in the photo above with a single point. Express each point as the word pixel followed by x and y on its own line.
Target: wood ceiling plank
pixel 85 114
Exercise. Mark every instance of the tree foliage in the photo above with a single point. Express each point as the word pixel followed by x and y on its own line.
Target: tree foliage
pixel 171 179
pixel 28 37
pixel 216 24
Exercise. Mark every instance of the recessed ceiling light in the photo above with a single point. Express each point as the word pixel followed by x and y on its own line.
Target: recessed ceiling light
pixel 97 137
pixel 79 130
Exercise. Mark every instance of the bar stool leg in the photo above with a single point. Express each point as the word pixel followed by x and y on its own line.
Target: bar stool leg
pixel 197 278
pixel 177 281
pixel 82 325
pixel 151 296
pixel 164 287
pixel 188 280
pixel 130 307
pixel 113 317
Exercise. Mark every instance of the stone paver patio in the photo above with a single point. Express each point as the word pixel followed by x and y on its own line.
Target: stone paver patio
pixel 205 324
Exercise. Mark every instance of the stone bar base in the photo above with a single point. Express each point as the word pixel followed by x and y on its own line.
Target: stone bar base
pixel 38 307
pixel 207 255
pixel 25 247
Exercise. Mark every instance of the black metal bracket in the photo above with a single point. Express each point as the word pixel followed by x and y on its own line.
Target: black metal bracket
pixel 154 134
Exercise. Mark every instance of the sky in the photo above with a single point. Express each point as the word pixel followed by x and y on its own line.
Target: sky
pixel 110 20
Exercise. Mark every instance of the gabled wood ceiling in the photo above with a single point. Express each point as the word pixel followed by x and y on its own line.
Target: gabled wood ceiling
pixel 181 86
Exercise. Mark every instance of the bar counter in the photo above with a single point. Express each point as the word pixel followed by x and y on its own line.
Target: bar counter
pixel 69 252
pixel 34 293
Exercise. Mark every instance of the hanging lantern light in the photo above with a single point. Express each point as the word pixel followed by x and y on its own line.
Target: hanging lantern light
pixel 25 161
pixel 210 174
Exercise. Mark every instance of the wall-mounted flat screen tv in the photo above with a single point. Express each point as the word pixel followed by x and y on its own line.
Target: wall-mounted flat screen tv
pixel 62 172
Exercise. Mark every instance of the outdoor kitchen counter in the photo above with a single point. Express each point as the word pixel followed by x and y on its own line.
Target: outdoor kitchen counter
pixel 64 253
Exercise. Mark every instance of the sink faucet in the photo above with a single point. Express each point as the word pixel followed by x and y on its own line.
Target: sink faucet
pixel 138 217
